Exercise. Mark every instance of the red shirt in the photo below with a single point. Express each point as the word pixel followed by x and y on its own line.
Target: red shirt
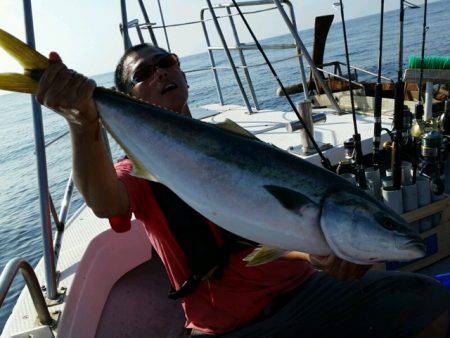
pixel 221 305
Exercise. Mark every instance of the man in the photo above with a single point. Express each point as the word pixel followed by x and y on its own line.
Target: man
pixel 284 298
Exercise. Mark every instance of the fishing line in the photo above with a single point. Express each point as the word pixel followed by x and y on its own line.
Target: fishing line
pixel 378 98
pixel 356 137
pixel 325 161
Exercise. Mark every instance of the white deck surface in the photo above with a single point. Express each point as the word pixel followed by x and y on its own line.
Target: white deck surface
pixel 81 229
pixel 270 126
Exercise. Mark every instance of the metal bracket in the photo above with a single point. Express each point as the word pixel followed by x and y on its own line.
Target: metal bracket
pixel 61 293
pixel 298 150
pixel 40 332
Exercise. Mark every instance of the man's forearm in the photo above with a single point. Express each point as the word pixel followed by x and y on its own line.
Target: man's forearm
pixel 93 172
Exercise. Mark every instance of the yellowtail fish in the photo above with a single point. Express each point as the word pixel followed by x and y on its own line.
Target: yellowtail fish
pixel 244 185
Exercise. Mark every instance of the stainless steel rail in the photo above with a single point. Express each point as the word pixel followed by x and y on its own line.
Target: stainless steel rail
pixel 126 36
pixel 7 277
pixel 317 75
pixel 240 47
pixel 63 212
pixel 229 57
pixel 164 25
pixel 337 69
pixel 242 58
pixel 205 20
pixel 147 23
pixel 340 77
pixel 49 256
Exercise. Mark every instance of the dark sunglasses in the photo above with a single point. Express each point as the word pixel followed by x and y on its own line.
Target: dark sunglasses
pixel 147 71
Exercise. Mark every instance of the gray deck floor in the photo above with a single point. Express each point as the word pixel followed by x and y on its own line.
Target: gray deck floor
pixel 138 306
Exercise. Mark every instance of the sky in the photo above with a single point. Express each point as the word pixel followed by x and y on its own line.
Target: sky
pixel 86 32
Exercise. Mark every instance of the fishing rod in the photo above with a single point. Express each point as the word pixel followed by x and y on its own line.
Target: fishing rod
pixel 399 95
pixel 378 99
pixel 419 106
pixel 419 109
pixel 325 161
pixel 361 178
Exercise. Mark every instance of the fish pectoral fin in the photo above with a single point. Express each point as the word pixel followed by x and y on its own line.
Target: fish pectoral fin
pixel 15 82
pixel 235 128
pixel 264 254
pixel 288 198
pixel 141 172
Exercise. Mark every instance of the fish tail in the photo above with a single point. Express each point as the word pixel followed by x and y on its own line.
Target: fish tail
pixel 33 63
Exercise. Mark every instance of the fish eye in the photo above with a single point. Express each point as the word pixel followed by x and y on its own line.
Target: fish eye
pixel 388 223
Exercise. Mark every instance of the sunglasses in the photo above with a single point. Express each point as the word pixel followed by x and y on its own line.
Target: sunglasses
pixel 147 71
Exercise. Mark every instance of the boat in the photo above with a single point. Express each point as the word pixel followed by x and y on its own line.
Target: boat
pixel 89 277
pixel 364 81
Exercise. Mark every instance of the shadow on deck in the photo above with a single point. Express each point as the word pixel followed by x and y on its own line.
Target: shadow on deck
pixel 138 306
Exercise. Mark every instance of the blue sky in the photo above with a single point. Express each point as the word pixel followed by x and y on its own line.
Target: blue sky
pixel 86 34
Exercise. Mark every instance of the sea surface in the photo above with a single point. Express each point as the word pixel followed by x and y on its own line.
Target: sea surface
pixel 20 229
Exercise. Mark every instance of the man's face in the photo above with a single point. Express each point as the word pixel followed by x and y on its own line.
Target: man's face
pixel 166 87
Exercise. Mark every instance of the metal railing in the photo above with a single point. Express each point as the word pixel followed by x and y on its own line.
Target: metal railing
pixel 338 71
pixel 44 197
pixel 239 47
pixel 7 277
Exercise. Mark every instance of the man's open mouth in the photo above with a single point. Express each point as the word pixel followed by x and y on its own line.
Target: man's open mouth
pixel 168 87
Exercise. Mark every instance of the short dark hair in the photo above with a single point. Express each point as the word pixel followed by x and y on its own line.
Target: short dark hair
pixel 121 83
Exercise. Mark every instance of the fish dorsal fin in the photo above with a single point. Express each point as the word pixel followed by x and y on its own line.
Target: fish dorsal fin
pixel 235 128
pixel 290 199
pixel 264 254
pixel 141 172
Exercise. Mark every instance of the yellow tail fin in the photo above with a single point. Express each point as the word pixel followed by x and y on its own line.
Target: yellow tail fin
pixel 28 58
pixel 15 82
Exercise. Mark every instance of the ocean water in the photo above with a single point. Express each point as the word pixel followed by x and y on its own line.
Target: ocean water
pixel 20 231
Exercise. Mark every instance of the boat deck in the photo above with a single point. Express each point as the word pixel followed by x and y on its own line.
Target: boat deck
pixel 270 126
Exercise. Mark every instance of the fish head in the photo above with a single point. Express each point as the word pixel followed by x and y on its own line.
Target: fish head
pixel 362 230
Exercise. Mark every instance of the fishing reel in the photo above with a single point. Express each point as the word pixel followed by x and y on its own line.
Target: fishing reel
pixel 444 119
pixel 407 125
pixel 432 160
pixel 432 145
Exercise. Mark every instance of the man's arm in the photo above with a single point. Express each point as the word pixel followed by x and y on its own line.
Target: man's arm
pixel 70 94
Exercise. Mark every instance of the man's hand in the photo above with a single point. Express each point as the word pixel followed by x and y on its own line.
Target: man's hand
pixel 339 268
pixel 68 93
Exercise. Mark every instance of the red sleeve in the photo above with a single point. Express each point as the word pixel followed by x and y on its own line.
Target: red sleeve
pixel 137 189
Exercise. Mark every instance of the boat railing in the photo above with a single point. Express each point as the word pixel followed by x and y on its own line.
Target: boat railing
pixel 43 188
pixel 338 71
pixel 46 206
pixel 7 277
pixel 238 47
pixel 340 77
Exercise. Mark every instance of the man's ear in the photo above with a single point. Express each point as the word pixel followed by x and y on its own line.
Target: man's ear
pixel 185 78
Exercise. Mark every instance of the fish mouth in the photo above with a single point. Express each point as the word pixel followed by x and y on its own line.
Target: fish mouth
pixel 168 87
pixel 414 243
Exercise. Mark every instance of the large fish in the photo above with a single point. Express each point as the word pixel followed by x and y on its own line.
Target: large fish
pixel 244 185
